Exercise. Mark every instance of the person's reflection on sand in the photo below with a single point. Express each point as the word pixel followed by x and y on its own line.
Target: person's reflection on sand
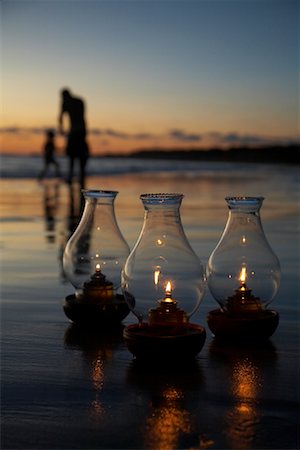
pixel 76 205
pixel 51 197
pixel 74 212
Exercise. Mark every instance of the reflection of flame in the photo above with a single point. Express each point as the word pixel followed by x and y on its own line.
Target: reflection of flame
pixel 156 277
pixel 245 380
pixel 172 394
pixel 168 422
pixel 97 410
pixel 98 373
pixel 244 416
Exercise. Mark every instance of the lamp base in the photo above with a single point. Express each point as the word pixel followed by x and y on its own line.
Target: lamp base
pixel 87 313
pixel 164 342
pixel 229 326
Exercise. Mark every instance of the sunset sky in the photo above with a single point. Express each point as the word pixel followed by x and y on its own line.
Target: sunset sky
pixel 153 73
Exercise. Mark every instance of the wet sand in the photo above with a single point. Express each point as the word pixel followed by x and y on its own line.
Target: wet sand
pixel 64 390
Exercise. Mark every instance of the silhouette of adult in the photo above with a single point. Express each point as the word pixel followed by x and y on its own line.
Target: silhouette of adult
pixel 77 147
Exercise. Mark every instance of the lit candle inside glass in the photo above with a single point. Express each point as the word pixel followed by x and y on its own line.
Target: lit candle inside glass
pixel 168 294
pixel 167 310
pixel 243 277
pixel 98 289
pixel 243 300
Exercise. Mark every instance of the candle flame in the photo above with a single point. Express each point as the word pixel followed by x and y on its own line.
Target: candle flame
pixel 98 268
pixel 243 275
pixel 168 288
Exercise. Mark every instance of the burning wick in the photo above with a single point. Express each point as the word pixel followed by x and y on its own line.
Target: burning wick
pixel 167 312
pixel 243 301
pixel 168 294
pixel 243 277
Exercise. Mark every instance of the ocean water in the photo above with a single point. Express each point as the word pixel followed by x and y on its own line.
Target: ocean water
pixel 30 166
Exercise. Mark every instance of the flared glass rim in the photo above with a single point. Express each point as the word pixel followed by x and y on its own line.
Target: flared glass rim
pixel 98 193
pixel 244 201
pixel 161 198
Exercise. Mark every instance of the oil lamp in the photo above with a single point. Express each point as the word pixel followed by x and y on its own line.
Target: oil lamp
pixel 243 275
pixel 163 284
pixel 167 311
pixel 93 260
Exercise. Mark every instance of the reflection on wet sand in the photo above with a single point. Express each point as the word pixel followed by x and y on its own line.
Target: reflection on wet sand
pixel 171 421
pixel 51 202
pixel 242 419
pixel 245 366
pixel 74 210
pixel 97 349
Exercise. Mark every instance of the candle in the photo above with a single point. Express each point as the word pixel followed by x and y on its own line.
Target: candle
pixel 168 295
pixel 243 301
pixel 243 276
pixel 167 311
pixel 97 289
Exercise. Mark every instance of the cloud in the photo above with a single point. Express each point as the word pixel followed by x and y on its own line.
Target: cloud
pixel 25 130
pixel 181 135
pixel 235 138
pixel 11 130
pixel 110 132
pixel 144 136
pixel 96 131
pixel 116 134
pixel 204 140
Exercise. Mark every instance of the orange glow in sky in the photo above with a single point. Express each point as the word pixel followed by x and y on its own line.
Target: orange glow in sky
pixel 152 74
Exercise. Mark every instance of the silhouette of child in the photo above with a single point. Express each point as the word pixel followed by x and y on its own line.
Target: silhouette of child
pixel 49 149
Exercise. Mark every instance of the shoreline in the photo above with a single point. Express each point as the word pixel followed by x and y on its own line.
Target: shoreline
pixel 274 154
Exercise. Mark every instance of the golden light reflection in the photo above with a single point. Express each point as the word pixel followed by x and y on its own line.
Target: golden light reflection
pixel 244 417
pixel 156 276
pixel 243 240
pixel 98 373
pixel 97 360
pixel 97 410
pixel 168 421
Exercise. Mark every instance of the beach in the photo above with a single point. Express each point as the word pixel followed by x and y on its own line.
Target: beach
pixel 64 390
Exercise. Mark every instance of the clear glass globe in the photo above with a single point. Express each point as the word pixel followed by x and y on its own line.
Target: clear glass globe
pixel 97 245
pixel 163 277
pixel 243 273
